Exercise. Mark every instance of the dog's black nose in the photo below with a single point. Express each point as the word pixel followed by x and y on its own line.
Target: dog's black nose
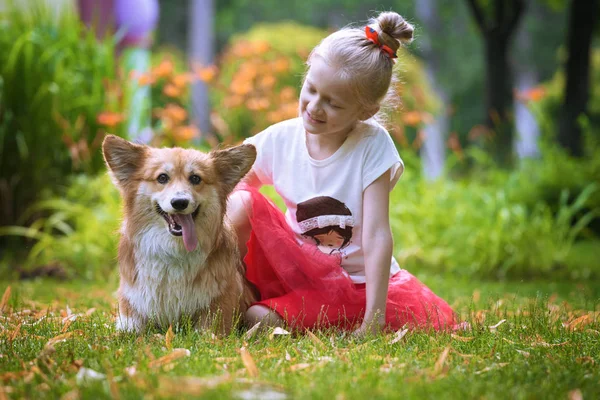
pixel 180 204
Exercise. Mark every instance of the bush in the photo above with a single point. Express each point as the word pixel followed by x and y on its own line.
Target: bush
pixel 51 89
pixel 476 230
pixel 79 233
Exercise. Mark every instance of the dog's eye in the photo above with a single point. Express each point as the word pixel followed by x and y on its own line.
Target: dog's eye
pixel 163 178
pixel 195 179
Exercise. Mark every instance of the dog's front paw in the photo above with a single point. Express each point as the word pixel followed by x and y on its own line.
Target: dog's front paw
pixel 126 323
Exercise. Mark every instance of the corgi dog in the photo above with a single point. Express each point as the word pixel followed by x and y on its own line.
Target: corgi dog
pixel 178 255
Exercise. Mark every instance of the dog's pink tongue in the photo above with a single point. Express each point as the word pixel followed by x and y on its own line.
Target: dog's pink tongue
pixel 190 239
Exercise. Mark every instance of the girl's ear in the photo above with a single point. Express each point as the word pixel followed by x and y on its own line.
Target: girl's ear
pixel 369 112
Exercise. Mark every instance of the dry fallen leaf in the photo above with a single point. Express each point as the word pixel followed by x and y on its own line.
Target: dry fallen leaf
pixel 252 331
pixel 495 366
pixel 248 362
pixel 176 354
pixel 278 331
pixel 525 353
pixel 87 374
pixel 298 367
pixel 190 386
pixel 494 327
pixel 400 333
pixel 169 338
pixel 583 321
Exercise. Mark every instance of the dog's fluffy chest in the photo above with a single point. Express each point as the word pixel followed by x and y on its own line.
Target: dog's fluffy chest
pixel 167 286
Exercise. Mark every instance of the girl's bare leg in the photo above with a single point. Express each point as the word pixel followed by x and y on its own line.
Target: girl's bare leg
pixel 238 204
pixel 264 315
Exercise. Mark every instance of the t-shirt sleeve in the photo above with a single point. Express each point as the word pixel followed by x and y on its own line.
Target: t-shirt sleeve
pixel 380 155
pixel 263 165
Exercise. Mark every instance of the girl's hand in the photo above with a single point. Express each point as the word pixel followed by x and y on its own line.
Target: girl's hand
pixel 370 327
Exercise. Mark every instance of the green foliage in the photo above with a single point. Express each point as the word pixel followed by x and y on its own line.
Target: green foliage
pixel 475 229
pixel 51 88
pixel 78 232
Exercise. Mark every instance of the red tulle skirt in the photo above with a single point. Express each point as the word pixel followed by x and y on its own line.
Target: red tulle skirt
pixel 309 289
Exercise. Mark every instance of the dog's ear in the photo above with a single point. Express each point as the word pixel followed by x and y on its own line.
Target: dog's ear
pixel 123 158
pixel 233 163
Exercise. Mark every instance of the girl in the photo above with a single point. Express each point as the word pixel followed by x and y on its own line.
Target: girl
pixel 335 149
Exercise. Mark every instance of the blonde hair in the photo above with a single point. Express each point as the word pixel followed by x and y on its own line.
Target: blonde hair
pixel 366 66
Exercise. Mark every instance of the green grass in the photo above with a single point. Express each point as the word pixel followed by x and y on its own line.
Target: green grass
pixel 531 355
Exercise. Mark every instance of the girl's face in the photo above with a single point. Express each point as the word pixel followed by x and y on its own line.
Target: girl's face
pixel 327 104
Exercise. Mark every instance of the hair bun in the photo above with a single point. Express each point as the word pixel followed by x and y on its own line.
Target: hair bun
pixel 393 25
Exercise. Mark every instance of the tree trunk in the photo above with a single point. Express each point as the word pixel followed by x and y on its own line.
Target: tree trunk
pixel 499 97
pixel 201 50
pixel 583 16
pixel 433 149
pixel 497 31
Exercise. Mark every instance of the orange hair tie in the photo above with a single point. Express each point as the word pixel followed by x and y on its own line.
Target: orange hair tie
pixel 373 36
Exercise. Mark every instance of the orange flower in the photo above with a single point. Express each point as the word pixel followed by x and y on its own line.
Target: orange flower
pixel 261 47
pixel 281 65
pixel 267 81
pixel 164 69
pixel 185 133
pixel 109 118
pixel 181 80
pixel 175 113
pixel 143 79
pixel 258 104
pixel 172 90
pixel 412 118
pixel 287 93
pixel 205 74
pixel 233 101
pixel 240 88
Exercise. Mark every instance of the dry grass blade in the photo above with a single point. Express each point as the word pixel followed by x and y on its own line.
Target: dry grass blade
pixel 462 338
pixel 15 333
pixel 400 333
pixel 316 340
pixel 60 338
pixel 438 368
pixel 169 338
pixel 176 354
pixel 248 362
pixel 4 300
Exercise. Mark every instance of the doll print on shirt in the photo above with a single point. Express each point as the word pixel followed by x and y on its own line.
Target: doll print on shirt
pixel 328 222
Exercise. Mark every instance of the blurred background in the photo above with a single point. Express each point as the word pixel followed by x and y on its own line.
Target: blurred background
pixel 499 123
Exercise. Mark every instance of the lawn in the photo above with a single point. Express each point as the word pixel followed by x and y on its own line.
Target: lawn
pixel 527 340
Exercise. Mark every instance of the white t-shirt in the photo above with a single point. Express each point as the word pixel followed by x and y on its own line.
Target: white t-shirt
pixel 324 198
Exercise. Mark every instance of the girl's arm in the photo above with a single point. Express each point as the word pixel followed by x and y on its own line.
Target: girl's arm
pixel 377 244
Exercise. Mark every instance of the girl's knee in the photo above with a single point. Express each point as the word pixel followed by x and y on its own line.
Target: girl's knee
pixel 264 315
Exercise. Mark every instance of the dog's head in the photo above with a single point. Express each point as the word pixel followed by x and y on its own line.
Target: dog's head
pixel 184 190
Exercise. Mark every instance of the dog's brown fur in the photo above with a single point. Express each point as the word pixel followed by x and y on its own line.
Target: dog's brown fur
pixel 161 278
